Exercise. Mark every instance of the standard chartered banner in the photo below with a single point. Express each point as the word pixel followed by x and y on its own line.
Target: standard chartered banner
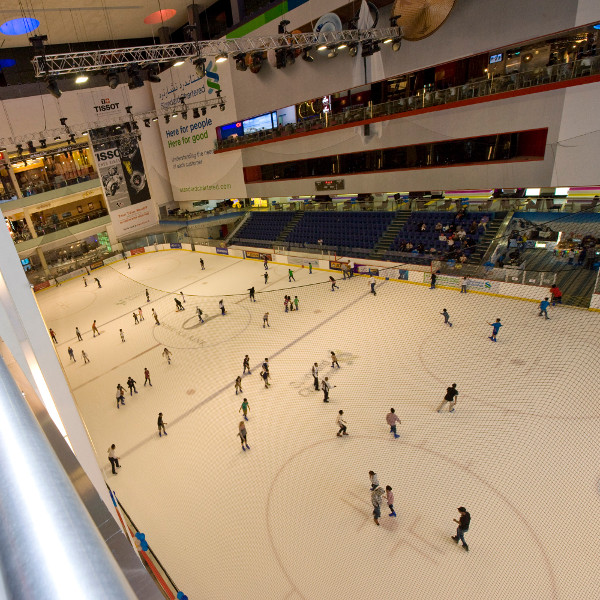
pixel 124 182
pixel 196 173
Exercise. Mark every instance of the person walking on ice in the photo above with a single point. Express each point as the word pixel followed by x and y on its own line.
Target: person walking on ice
pixel 245 407
pixel 392 419
pixel 334 360
pixel 252 298
pixel 544 304
pixel 372 284
pixel 315 374
pixel 222 307
pixel 238 385
pixel 246 365
pixel 495 329
pixel 53 335
pixel 376 498
pixel 95 328
pixel 147 377
pixel 182 297
pixel 296 302
pixel 122 335
pixel 266 320
pixel 464 521
pixel 140 313
pixel 147 296
pixel 84 282
pixel 131 385
pixel 266 277
pixel 450 397
pixel 266 264
pixel 85 357
pixel 201 264
pixel 113 459
pixel 178 305
pixel 389 497
pixel 310 268
pixel 161 425
pixel 155 317
pixel 374 479
pixel 446 316
pixel 433 280
pixel 98 282
pixel 135 318
pixel 463 285
pixel 243 435
pixel 265 376
pixel 71 354
pixel 199 313
pixel 167 354
pixel 333 285
pixel 120 395
pixel 78 334
pixel 291 275
pixel 341 424
pixel 325 387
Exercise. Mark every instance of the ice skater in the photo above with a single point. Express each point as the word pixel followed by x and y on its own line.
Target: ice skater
pixel 246 365
pixel 266 320
pixel 140 313
pixel 122 335
pixel 98 282
pixel 199 313
pixel 167 354
pixel 376 498
pixel 266 264
pixel 296 302
pixel 372 284
pixel 286 300
pixel 245 407
pixel 291 275
pixel 463 285
pixel 266 277
pixel 182 296
pixel 131 385
pixel 392 419
pixel 178 305
pixel 71 354
pixel 147 296
pixel 78 334
pixel 325 387
pixel 265 365
pixel 85 357
pixel 433 280
pixel 120 395
pixel 155 317
pixel 222 307
pixel 315 374
pixel 84 282
pixel 95 328
pixel 450 397
pixel 53 335
pixel 243 435
pixel 341 423
pixel 463 526
pixel 389 497
pixel 238 385
pixel 333 284
pixel 147 377
pixel 446 316
pixel 252 298
pixel 556 295
pixel 135 318
pixel 310 268
pixel 544 304
pixel 202 264
pixel 265 377
pixel 161 425
pixel 113 459
pixel 334 360
pixel 495 329
pixel 374 479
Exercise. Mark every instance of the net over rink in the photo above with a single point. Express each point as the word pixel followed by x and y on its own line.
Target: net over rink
pixel 292 516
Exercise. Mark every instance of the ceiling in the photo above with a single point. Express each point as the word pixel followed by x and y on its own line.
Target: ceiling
pixel 67 22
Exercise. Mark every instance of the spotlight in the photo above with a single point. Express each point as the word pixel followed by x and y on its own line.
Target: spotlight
pixel 30 147
pixel 178 63
pixel 332 53
pixel 387 40
pixel 81 78
pixel 128 109
pixel 167 118
pixel 322 48
pixel 367 49
pixel 154 119
pixel 257 61
pixel 153 73
pixel 200 66
pixel 84 133
pixel 290 57
pixel 221 58
pixel 184 114
pixel 52 87
pixel 203 110
pixel 134 126
pixel 174 116
pixel 353 49
pixel 396 44
pixel 394 21
pixel 376 47
pixel 133 78
pixel 240 62
pixel 282 27
pixel 306 56
pixel 280 58
pixel 57 138
pixel 218 93
pixel 72 138
pixel 63 121
pixel 342 46
pixel 195 113
pixel 222 105
pixel 20 149
pixel 42 143
pixel 112 79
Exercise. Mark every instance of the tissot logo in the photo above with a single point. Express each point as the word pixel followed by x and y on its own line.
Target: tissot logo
pixel 107 155
pixel 106 104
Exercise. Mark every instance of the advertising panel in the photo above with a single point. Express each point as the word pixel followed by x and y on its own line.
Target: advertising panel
pixel 40 286
pixel 365 269
pixel 222 250
pixel 96 265
pixel 195 172
pixel 175 246
pixel 137 251
pixel 257 255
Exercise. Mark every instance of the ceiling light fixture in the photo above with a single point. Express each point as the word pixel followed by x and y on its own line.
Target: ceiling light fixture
pixel 396 44
pixel 167 119
pixel 199 63
pixel 153 73
pixel 42 143
pixel 203 110
pixel 221 58
pixel 134 79
pixel 81 79
pixel 147 122
pixel 112 79
pixel 240 62
pixel 52 87
pixel 306 55
pixel 195 113
pixel 30 147
pixel 178 63
pixel 322 48
pixel 353 49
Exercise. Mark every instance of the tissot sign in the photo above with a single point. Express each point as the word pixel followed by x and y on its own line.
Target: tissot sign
pixel 106 105
pixel 102 103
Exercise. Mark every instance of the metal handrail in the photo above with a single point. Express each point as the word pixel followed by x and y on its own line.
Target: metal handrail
pixel 49 545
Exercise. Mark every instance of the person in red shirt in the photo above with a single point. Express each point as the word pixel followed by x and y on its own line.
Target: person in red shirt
pixel 556 295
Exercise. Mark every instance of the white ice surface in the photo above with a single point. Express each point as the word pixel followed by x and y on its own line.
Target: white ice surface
pixel 291 518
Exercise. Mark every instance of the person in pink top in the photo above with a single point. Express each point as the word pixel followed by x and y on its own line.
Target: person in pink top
pixel 392 419
pixel 389 496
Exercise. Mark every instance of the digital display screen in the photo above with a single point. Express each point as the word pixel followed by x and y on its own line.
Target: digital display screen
pixel 232 130
pixel 25 261
pixel 260 123
pixel 496 58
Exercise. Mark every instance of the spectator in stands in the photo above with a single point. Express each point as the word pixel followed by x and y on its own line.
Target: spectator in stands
pixel 442 237
pixel 422 227
pixel 556 295
pixel 409 247
pixel 438 226
pixel 461 233
pixel 473 228
pixel 450 244
pixel 590 257
pixel 463 258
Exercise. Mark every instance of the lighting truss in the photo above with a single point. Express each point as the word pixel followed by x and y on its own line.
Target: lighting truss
pixel 104 60
pixel 122 120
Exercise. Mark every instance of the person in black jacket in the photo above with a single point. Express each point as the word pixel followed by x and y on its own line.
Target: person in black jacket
pixel 131 385
pixel 161 425
pixel 451 394
pixel 463 526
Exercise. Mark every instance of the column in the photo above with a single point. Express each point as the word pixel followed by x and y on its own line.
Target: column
pixel 42 258
pixel 29 223
pixel 13 178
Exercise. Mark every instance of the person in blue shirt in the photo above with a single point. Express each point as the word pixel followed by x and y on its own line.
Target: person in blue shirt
pixel 544 304
pixel 495 328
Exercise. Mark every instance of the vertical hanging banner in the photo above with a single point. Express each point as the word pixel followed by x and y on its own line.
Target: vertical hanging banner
pixel 121 169
pixel 196 173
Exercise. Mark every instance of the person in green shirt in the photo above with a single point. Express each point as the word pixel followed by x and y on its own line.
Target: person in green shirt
pixel 245 408
pixel 296 301
pixel 291 275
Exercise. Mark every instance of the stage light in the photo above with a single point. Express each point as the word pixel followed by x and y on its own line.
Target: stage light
pixel 30 147
pixel 42 143
pixel 63 121
pixel 396 44
pixel 19 149
pixel 112 79
pixel 200 65
pixel 203 110
pixel 282 27
pixel 280 58
pixel 184 114
pixel 128 109
pixel 154 119
pixel 257 61
pixel 81 78
pixel 353 49
pixel 240 62
pixel 178 63
pixel 167 119
pixel 332 53
pixel 221 58
pixel 133 78
pixel 195 113
pixel 342 46
pixel 322 48
pixel 222 105
pixel 57 138
pixel 147 122
pixel 52 87
pixel 72 139
pixel 174 116
pixel 306 55
pixel 153 73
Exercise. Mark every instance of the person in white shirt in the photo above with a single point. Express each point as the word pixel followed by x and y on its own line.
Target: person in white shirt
pixel 341 424
pixel 315 374
pixel 113 458
pixel 374 479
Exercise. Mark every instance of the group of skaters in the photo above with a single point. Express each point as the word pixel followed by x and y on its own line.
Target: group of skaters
pixel 131 382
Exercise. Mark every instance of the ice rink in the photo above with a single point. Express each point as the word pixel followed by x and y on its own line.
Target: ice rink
pixel 292 518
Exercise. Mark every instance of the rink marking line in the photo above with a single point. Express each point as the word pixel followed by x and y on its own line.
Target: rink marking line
pixel 117 367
